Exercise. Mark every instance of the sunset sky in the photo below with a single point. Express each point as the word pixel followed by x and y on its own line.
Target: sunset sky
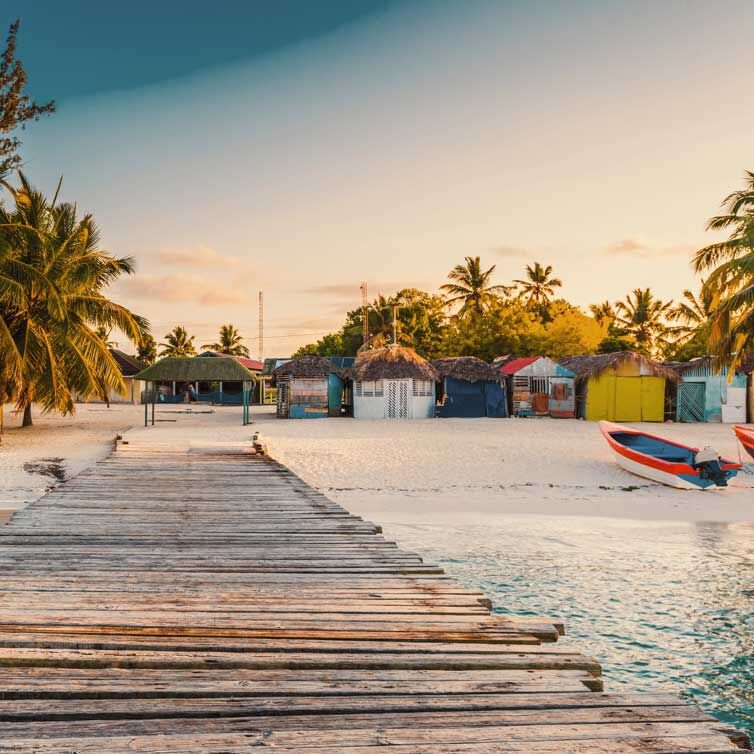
pixel 300 147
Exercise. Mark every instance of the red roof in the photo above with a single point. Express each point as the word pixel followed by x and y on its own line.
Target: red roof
pixel 251 364
pixel 517 364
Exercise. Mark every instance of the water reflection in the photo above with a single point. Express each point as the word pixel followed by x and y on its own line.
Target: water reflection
pixel 662 604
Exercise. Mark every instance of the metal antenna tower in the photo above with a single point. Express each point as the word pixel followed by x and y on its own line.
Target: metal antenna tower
pixel 261 325
pixel 364 313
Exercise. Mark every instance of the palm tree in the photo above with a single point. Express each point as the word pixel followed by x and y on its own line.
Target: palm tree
pixel 604 313
pixel 538 287
pixel 53 278
pixel 694 311
pixel 642 316
pixel 146 350
pixel 229 342
pixel 179 343
pixel 731 282
pixel 380 323
pixel 471 286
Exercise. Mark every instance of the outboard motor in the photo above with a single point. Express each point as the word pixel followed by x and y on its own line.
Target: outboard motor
pixel 707 463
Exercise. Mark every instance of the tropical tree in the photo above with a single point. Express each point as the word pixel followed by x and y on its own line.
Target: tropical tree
pixel 229 342
pixel 16 108
pixel 471 287
pixel 538 288
pixel 642 317
pixel 178 343
pixel 731 280
pixel 603 313
pixel 53 279
pixel 146 350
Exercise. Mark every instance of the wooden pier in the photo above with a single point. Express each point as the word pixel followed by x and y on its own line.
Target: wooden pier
pixel 205 600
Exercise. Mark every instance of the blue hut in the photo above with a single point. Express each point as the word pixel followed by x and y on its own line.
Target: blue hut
pixel 469 387
pixel 309 387
pixel 705 395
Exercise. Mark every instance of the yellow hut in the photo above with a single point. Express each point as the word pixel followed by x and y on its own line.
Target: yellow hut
pixel 622 387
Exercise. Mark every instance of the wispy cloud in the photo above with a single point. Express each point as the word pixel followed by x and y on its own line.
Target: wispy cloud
pixel 513 252
pixel 181 288
pixel 200 256
pixel 637 247
pixel 352 291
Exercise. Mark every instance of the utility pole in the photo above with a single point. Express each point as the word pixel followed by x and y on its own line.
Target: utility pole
pixel 261 326
pixel 364 314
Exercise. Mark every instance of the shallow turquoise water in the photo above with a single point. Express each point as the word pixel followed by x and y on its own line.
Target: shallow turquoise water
pixel 661 605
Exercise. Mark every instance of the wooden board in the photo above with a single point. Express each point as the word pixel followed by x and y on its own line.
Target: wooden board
pixel 208 600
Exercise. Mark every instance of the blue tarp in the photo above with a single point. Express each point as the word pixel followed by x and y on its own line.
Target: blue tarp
pixel 650 446
pixel 473 399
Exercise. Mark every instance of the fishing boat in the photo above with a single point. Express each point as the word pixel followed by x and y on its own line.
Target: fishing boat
pixel 745 436
pixel 666 461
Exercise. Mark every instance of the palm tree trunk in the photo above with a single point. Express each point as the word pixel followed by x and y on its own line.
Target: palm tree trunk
pixel 27 422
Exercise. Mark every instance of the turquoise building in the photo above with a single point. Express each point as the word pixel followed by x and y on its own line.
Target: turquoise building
pixel 705 394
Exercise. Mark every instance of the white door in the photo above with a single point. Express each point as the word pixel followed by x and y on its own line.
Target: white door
pixel 396 399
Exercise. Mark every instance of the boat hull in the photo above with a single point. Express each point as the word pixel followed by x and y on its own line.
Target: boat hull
pixel 745 436
pixel 673 473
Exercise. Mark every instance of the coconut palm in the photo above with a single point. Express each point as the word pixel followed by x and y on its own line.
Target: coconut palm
pixel 52 300
pixel 178 343
pixel 471 286
pixel 694 311
pixel 146 350
pixel 731 281
pixel 643 317
pixel 604 313
pixel 229 342
pixel 538 288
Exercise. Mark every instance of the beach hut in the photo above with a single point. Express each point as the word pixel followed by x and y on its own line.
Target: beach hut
pixel 704 394
pixel 309 387
pixel 393 383
pixel 231 393
pixel 469 387
pixel 623 386
pixel 538 386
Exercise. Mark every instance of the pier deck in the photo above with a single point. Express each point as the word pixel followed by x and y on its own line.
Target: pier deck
pixel 206 600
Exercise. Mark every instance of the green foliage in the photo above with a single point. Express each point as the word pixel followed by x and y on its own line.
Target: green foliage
pixel 16 108
pixel 53 307
pixel 643 317
pixel 229 342
pixel 146 350
pixel 537 289
pixel 329 345
pixel 178 343
pixel 614 343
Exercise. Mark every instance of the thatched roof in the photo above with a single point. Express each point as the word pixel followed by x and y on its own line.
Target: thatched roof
pixel 467 368
pixel 593 366
pixel 309 366
pixel 204 368
pixel 392 363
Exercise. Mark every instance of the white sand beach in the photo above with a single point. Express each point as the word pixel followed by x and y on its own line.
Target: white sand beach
pixel 428 470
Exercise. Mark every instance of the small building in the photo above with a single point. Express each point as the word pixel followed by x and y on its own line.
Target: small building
pixel 309 387
pixel 469 387
pixel 623 386
pixel 231 393
pixel 538 386
pixel 705 394
pixel 393 383
pixel 129 367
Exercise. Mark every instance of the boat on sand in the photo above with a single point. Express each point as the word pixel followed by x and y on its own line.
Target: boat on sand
pixel 666 461
pixel 745 436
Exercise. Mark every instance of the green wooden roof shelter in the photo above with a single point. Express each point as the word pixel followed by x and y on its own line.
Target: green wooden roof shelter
pixel 196 369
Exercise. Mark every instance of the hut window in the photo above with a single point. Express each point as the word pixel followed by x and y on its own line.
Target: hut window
pixel 369 389
pixel 422 388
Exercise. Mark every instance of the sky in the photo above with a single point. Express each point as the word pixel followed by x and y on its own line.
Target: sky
pixel 300 148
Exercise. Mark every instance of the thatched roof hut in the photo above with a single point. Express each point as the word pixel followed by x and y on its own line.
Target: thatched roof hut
pixel 621 386
pixel 306 367
pixel 594 365
pixel 195 369
pixel 392 363
pixel 467 369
